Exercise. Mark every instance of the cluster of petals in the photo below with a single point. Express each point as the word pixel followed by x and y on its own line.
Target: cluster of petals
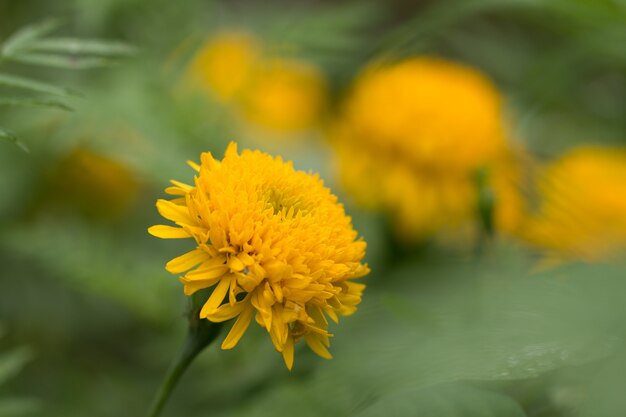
pixel 412 136
pixel 582 202
pixel 273 244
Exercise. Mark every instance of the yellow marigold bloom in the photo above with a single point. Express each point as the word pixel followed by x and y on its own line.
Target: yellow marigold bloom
pixel 285 95
pixel 273 242
pixel 412 136
pixel 278 94
pixel 582 208
pixel 225 64
pixel 93 183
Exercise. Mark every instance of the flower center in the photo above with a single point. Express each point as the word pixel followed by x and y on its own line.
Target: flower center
pixel 282 202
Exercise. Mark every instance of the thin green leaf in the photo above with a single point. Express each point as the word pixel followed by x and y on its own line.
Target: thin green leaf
pixel 22 38
pixel 9 80
pixel 60 61
pixel 11 363
pixel 82 46
pixel 34 102
pixel 11 137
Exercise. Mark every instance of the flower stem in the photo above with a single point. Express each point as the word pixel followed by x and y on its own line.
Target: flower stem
pixel 201 333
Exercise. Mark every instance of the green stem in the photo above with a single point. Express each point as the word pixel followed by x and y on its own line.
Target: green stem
pixel 201 334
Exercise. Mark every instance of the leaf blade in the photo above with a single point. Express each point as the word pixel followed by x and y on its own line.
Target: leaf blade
pixel 11 137
pixel 61 61
pixel 75 46
pixel 34 102
pixel 14 81
pixel 20 39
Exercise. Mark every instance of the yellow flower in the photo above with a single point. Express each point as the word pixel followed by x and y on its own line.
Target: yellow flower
pixel 412 136
pixel 582 210
pixel 273 241
pixel 95 184
pixel 278 94
pixel 285 95
pixel 225 64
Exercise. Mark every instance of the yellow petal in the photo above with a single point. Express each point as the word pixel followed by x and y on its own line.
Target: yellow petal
pixel 231 151
pixel 288 353
pixel 238 328
pixel 191 287
pixel 226 312
pixel 194 165
pixel 186 261
pixel 177 214
pixel 316 345
pixel 279 330
pixel 235 264
pixel 182 185
pixel 175 191
pixel 168 232
pixel 216 297
pixel 258 302
pixel 204 273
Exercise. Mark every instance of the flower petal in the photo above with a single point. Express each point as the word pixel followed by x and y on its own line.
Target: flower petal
pixel 168 232
pixel 288 353
pixel 209 272
pixel 190 287
pixel 316 345
pixel 186 261
pixel 216 297
pixel 174 212
pixel 226 311
pixel 238 328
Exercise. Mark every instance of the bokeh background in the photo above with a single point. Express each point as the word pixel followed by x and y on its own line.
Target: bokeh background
pixel 479 147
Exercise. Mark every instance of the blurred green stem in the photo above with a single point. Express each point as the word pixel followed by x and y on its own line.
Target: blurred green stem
pixel 200 335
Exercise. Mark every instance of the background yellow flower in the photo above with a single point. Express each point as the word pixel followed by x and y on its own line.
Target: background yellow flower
pixel 92 183
pixel 278 94
pixel 286 95
pixel 412 137
pixel 225 63
pixel 582 206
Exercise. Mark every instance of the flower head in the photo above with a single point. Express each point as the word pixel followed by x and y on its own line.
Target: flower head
pixel 275 93
pixel 93 183
pixel 225 63
pixel 273 242
pixel 412 136
pixel 285 95
pixel 582 207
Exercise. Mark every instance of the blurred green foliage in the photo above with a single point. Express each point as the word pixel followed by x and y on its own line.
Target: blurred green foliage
pixel 440 332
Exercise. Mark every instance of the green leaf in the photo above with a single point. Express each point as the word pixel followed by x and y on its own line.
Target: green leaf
pixel 22 38
pixel 61 61
pixel 9 80
pixel 34 102
pixel 82 46
pixel 11 363
pixel 11 137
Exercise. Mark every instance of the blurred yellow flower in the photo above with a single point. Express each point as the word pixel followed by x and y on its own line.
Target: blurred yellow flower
pixel 285 95
pixel 93 183
pixel 273 241
pixel 225 64
pixel 278 94
pixel 411 138
pixel 582 207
